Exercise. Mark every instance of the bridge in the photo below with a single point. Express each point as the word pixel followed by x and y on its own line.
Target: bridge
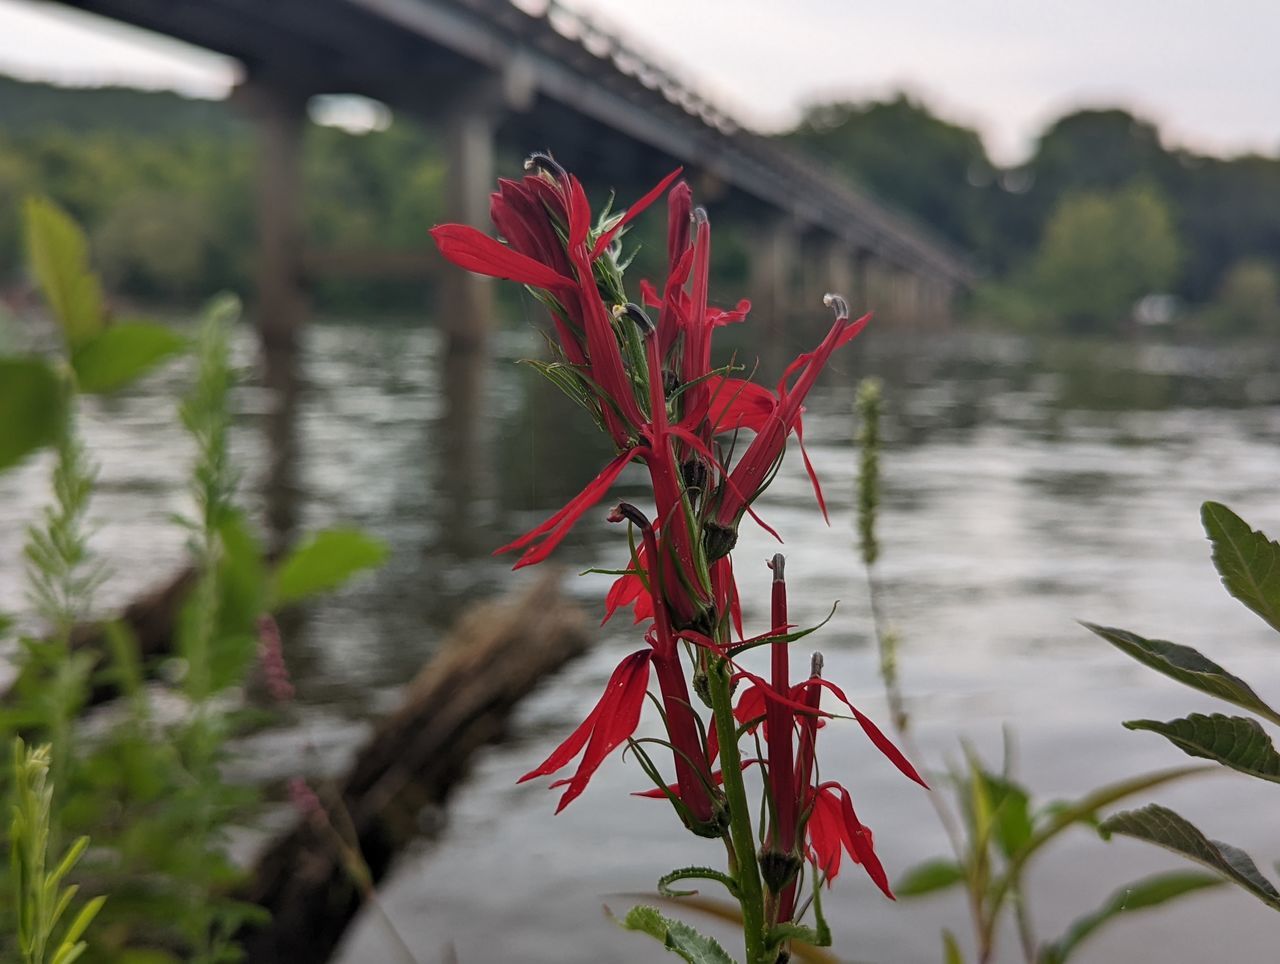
pixel 531 73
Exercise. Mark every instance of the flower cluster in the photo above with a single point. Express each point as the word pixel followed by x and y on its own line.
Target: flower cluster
pixel 644 372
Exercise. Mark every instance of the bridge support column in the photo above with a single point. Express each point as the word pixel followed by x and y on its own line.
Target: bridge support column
pixel 909 301
pixel 465 318
pixel 773 252
pixel 877 290
pixel 859 296
pixel 842 272
pixel 467 299
pixel 279 116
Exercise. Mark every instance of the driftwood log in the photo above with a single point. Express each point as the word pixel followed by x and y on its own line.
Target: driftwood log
pixel 460 702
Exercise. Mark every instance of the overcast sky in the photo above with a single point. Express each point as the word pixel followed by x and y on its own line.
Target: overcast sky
pixel 1207 72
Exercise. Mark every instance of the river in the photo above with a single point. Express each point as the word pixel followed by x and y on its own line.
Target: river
pixel 1027 485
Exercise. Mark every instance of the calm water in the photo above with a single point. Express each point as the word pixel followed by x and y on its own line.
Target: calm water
pixel 1026 487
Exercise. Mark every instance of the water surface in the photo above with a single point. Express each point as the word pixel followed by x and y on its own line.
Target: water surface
pixel 1026 486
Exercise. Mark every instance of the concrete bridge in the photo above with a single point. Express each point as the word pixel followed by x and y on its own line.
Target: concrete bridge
pixel 533 74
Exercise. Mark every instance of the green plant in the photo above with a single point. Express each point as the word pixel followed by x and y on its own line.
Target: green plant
pixel 41 899
pixel 995 829
pixel 1249 564
pixel 151 791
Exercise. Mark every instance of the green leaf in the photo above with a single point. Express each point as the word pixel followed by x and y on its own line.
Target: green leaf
pixel 1011 813
pixel 83 919
pixel 677 937
pixel 1085 810
pixel 694 873
pixel 116 356
pixel 1188 667
pixel 926 878
pixel 951 949
pixel 1234 741
pixel 1141 894
pixel 1161 826
pixel 324 562
pixel 32 408
pixel 59 257
pixel 1060 816
pixel 241 575
pixel 1247 560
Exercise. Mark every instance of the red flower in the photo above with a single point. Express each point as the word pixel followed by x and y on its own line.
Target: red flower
pixel 834 826
pixel 754 469
pixel 612 721
pixel 545 537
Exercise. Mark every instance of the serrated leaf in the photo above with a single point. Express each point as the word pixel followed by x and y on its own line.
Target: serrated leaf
pixel 116 356
pixel 59 256
pixel 1141 894
pixel 1161 826
pixel 1187 666
pixel 678 937
pixel 32 408
pixel 928 877
pixel 1247 560
pixel 1233 741
pixel 325 561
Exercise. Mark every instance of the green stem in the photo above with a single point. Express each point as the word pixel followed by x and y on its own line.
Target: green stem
pixel 741 834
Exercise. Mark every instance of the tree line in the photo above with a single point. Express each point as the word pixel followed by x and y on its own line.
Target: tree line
pixel 1102 214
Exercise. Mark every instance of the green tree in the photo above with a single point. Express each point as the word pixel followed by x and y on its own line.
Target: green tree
pixel 1248 299
pixel 936 171
pixel 1101 252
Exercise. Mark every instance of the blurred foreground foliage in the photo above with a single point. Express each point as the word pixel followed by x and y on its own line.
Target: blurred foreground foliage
pixel 993 823
pixel 146 785
pixel 1248 562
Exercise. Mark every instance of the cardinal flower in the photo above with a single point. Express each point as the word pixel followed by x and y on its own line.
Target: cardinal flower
pixel 651 386
pixel 755 468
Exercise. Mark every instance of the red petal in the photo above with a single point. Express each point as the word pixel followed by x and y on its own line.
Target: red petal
pixel 716 317
pixel 579 210
pixel 882 742
pixel 476 251
pixel 602 242
pixel 771 694
pixel 649 294
pixel 860 845
pixel 751 706
pixel 619 715
pixel 737 403
pixel 825 836
pixel 625 589
pixel 557 526
pixel 567 750
pixel 813 476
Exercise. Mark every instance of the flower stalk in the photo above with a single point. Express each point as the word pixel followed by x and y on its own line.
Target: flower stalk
pixel 651 386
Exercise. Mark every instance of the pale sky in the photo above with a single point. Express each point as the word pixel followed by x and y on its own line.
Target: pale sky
pixel 1208 73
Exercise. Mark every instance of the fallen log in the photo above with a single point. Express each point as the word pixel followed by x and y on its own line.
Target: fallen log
pixel 459 702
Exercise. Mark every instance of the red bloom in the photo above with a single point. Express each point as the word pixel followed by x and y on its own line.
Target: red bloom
pixel 545 537
pixel 476 251
pixel 754 469
pixel 834 826
pixel 614 718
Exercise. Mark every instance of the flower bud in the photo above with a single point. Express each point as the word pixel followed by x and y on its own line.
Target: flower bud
pixel 718 540
pixel 778 869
